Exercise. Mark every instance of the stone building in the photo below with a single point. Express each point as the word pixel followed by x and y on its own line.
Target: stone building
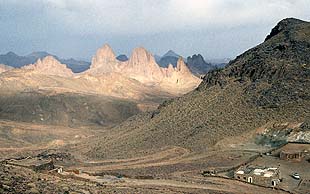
pixel 264 176
pixel 294 152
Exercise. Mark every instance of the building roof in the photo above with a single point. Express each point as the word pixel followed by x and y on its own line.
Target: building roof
pixel 258 171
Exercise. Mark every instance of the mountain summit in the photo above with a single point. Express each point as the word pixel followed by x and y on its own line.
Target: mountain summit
pixel 104 61
pixel 171 53
pixel 169 58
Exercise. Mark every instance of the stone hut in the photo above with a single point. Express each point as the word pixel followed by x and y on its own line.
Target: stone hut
pixel 294 151
pixel 264 176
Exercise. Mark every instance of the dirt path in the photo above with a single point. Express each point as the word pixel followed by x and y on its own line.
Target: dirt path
pixel 165 157
pixel 205 183
pixel 216 184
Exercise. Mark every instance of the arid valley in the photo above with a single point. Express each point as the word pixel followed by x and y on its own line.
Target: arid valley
pixel 159 124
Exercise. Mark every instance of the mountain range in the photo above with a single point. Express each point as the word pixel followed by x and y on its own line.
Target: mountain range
pixel 197 65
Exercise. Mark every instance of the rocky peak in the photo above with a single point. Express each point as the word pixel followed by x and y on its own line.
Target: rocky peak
pixel 181 66
pixel 198 65
pixel 284 25
pixel 143 67
pixel 196 59
pixel 141 56
pixel 50 66
pixel 11 54
pixel 171 53
pixel 40 54
pixel 103 56
pixel 104 61
pixel 170 69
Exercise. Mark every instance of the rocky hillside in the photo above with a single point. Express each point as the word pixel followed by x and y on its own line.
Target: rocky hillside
pixel 278 69
pixel 269 82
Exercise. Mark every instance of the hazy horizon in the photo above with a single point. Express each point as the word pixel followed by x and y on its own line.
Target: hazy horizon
pixel 215 29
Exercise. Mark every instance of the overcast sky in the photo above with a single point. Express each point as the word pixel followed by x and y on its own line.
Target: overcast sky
pixel 76 28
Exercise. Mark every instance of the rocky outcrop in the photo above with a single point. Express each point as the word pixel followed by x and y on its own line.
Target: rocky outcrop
pixel 50 66
pixel 142 67
pixel 104 61
pixel 180 76
pixel 4 68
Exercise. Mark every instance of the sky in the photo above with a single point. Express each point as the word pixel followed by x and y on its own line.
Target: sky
pixel 77 28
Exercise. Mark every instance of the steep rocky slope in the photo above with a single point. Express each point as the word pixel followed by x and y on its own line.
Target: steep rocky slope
pixel 269 82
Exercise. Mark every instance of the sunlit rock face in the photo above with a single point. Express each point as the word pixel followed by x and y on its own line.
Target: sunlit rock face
pixel 141 66
pixel 179 79
pixel 104 61
pixel 4 68
pixel 50 66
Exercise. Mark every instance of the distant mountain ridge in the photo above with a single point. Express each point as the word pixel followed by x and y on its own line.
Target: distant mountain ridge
pixel 16 61
pixel 78 66
pixel 196 63
pixel 122 57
